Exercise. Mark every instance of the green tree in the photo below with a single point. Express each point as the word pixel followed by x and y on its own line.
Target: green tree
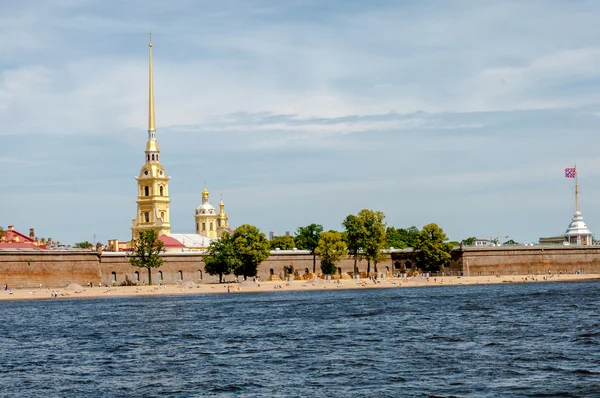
pixel 251 248
pixel 374 240
pixel 282 242
pixel 221 257
pixel 307 238
pixel 146 252
pixel 330 250
pixel 468 241
pixel 83 245
pixel 510 242
pixel 400 238
pixel 2 232
pixel 432 251
pixel 354 235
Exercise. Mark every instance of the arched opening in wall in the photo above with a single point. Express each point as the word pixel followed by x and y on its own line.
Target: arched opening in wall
pixel 199 275
pixel 211 226
pixel 397 264
pixel 408 264
pixel 113 276
pixel 153 157
pixel 271 272
pixel 387 269
pixel 147 216
pixel 204 226
pixel 197 228
pixel 148 157
pixel 162 215
pixel 136 276
pixel 160 276
pixel 146 191
pixel 219 222
pixel 306 270
pixel 340 270
pixel 180 275
pixel 157 157
pixel 161 191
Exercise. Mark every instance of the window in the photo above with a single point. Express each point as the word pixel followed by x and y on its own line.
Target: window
pixel 219 222
pixel 152 156
pixel 160 276
pixel 197 227
pixel 114 276
pixel 211 226
pixel 148 157
pixel 204 226
pixel 146 191
pixel 161 191
pixel 136 276
pixel 147 216
pixel 199 275
pixel 180 275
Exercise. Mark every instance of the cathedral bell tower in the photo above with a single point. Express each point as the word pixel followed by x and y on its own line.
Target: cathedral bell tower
pixel 153 183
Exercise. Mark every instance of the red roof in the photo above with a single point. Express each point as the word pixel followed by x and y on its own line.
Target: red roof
pixel 20 245
pixel 25 242
pixel 170 242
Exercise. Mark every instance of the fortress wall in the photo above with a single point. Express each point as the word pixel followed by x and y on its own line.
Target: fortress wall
pixel 30 268
pixel 522 260
pixel 24 269
pixel 57 268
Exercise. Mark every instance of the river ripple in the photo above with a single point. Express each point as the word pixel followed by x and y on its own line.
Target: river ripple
pixel 521 340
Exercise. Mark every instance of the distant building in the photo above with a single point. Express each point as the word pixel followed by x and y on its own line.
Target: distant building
pixel 12 239
pixel 272 235
pixel 482 242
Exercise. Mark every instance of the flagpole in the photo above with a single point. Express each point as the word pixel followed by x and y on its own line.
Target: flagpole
pixel 576 189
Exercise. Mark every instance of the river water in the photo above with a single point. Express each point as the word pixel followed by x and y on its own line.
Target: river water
pixel 521 340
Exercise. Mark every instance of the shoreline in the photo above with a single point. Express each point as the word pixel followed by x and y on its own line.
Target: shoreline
pixel 76 291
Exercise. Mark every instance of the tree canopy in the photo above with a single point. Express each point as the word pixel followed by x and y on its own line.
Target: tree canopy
pixel 354 235
pixel 146 252
pixel 307 238
pixel 282 242
pixel 469 241
pixel 330 250
pixel 374 240
pixel 84 245
pixel 251 247
pixel 432 251
pixel 400 238
pixel 221 257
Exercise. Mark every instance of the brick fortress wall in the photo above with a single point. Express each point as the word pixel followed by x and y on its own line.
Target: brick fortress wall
pixel 54 269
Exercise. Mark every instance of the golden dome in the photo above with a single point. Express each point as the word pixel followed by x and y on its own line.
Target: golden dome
pixel 152 146
pixel 205 192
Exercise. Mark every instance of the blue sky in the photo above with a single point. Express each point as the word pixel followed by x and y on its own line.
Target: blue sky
pixel 463 113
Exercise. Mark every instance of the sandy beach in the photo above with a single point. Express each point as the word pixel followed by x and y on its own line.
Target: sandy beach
pixel 77 291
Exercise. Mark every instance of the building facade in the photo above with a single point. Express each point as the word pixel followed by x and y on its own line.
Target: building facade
pixel 208 222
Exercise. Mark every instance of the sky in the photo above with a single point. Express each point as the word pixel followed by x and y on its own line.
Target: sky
pixel 462 113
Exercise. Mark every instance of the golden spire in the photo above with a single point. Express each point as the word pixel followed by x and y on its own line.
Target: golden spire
pixel 221 206
pixel 151 123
